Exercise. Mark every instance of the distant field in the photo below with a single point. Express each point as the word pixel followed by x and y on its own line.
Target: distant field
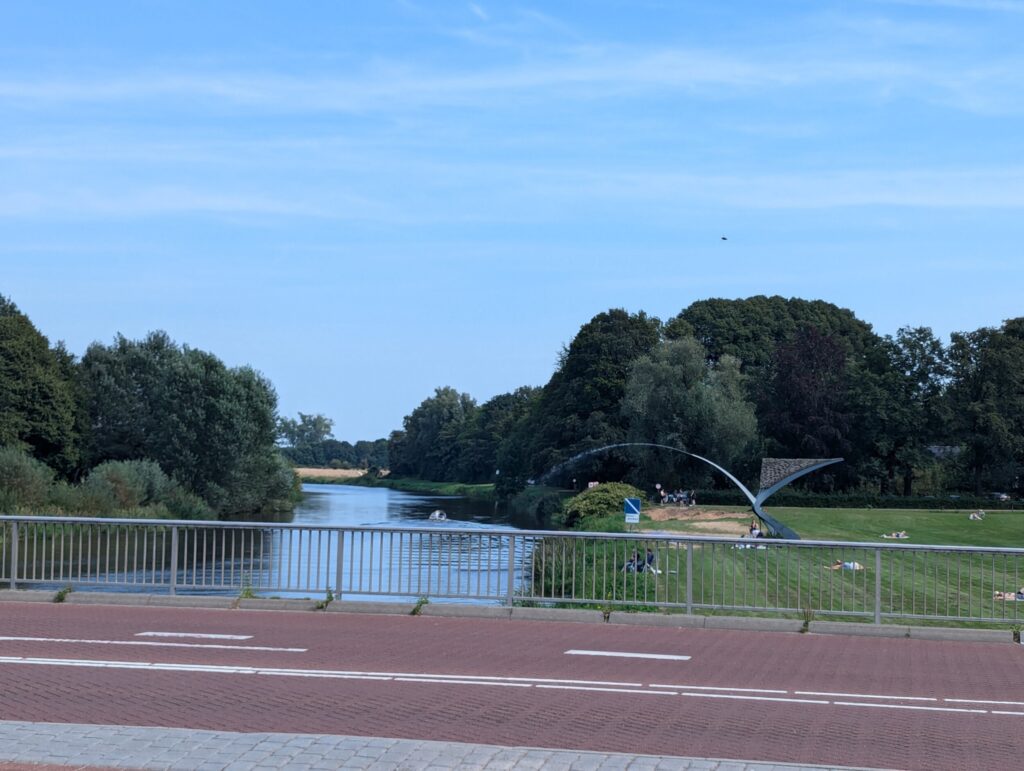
pixel 306 474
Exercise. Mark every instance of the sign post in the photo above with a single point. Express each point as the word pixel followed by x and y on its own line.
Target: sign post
pixel 631 508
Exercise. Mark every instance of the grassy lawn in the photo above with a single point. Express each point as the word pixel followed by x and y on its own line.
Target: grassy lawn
pixel 796 579
pixel 947 528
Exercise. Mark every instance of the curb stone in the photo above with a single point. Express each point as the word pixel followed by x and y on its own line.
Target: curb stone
pixel 455 610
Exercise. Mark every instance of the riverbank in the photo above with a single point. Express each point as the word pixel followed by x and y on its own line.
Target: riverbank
pixel 482 492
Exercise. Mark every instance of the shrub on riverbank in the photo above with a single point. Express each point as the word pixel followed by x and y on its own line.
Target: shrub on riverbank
pixel 122 489
pixel 602 502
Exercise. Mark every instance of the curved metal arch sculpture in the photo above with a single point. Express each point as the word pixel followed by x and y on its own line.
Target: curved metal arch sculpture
pixel 774 526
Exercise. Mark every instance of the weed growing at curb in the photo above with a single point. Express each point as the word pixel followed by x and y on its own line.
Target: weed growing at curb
pixel 327 600
pixel 808 616
pixel 246 592
pixel 62 594
pixel 418 608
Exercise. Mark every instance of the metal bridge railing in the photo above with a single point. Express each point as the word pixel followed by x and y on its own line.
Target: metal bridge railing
pixel 693 574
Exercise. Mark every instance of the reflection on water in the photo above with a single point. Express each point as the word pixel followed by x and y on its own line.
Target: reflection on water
pixel 348 505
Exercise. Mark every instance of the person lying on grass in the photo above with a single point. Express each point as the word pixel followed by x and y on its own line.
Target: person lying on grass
pixel 1017 595
pixel 899 534
pixel 840 565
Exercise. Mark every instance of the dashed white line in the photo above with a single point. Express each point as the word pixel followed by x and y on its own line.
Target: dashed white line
pixel 605 690
pixel 196 635
pixel 985 701
pixel 716 688
pixel 864 696
pixel 628 655
pixel 155 644
pixel 740 697
pixel 907 706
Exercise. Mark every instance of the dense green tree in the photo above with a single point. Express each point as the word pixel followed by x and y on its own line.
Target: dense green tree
pixel 428 447
pixel 674 396
pixel 491 424
pixel 751 329
pixel 580 407
pixel 986 403
pixel 810 399
pixel 212 428
pixel 39 410
pixel 903 405
pixel 307 431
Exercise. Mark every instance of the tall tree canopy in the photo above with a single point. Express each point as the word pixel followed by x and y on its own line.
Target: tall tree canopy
pixel 674 396
pixel 39 408
pixel 986 403
pixel 580 407
pixel 428 447
pixel 210 427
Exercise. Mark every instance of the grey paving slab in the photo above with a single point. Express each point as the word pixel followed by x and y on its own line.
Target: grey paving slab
pixel 78 746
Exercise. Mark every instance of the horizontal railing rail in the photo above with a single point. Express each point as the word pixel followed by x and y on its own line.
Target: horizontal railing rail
pixel 450 561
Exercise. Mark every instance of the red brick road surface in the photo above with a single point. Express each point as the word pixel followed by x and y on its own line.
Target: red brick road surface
pixel 909 728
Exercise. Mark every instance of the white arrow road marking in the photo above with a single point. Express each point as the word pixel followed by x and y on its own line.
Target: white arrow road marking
pixel 196 635
pixel 155 644
pixel 628 655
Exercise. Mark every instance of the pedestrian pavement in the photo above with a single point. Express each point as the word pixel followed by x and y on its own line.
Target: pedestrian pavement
pixel 64 746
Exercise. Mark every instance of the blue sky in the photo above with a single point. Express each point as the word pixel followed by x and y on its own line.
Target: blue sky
pixel 365 201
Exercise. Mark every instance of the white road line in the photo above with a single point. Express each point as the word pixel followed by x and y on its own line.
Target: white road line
pixel 865 696
pixel 517 682
pixel 196 635
pixel 453 681
pixel 716 688
pixel 1005 712
pixel 605 690
pixel 627 655
pixel 738 697
pixel 155 644
pixel 908 706
pixel 985 701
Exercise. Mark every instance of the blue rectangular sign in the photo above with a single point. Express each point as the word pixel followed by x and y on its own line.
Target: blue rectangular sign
pixel 631 507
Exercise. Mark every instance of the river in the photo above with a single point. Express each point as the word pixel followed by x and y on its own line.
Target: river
pixel 349 505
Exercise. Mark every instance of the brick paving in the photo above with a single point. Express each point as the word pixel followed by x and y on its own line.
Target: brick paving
pixel 592 725
pixel 53 746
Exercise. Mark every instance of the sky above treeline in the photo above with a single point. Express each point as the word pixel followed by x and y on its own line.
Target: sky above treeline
pixel 368 200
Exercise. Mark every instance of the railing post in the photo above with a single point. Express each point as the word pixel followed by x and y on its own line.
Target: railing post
pixel 339 572
pixel 14 555
pixel 689 578
pixel 511 592
pixel 878 586
pixel 174 557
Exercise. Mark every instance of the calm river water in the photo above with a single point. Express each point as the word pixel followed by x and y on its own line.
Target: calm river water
pixel 349 505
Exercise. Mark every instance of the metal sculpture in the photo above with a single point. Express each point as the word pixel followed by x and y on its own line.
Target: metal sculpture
pixel 776 473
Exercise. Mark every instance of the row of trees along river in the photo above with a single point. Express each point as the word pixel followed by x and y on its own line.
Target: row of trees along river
pixel 738 380
pixel 153 428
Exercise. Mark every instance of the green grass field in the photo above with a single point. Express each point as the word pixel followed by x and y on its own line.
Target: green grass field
pixel 946 528
pixel 914 584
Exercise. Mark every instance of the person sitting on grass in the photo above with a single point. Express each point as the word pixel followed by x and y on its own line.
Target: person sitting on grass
pixel 976 516
pixel 650 562
pixel 840 565
pixel 1012 596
